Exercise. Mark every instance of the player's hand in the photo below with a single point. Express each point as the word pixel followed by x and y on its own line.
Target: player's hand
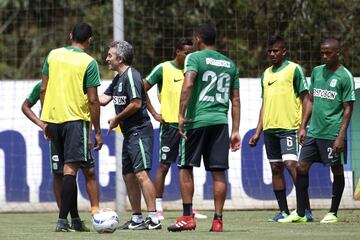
pixel 182 122
pixel 302 134
pixel 98 141
pixel 45 128
pixel 235 141
pixel 338 146
pixel 254 139
pixel 158 117
pixel 113 123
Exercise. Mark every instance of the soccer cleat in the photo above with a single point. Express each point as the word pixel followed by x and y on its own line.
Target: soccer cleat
pixel 278 216
pixel 79 226
pixel 160 215
pixel 150 225
pixel 217 226
pixel 63 226
pixel 131 225
pixel 293 218
pixel 330 217
pixel 309 216
pixel 198 215
pixel 183 223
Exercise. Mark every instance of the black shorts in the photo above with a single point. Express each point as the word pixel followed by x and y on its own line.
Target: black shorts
pixel 281 146
pixel 320 150
pixel 69 141
pixel 169 144
pixel 57 167
pixel 137 150
pixel 211 142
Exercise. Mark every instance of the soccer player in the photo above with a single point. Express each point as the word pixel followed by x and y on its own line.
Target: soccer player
pixel 128 94
pixel 284 91
pixel 211 80
pixel 57 166
pixel 169 77
pixel 332 94
pixel 70 78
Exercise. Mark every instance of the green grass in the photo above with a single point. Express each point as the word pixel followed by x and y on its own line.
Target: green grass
pixel 237 225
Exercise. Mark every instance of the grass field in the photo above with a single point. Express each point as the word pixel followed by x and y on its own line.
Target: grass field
pixel 237 225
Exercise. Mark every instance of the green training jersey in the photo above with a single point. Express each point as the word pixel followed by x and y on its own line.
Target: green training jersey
pixel 34 96
pixel 330 90
pixel 216 77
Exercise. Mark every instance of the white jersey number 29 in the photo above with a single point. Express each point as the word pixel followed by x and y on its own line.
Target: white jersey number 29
pixel 222 83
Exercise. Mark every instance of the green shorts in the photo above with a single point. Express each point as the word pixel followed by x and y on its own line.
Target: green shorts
pixel 320 150
pixel 69 142
pixel 137 151
pixel 57 166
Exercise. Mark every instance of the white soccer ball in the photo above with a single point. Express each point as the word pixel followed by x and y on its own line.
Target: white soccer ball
pixel 105 221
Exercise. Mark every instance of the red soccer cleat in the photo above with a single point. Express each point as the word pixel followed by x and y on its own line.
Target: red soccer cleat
pixel 183 223
pixel 217 226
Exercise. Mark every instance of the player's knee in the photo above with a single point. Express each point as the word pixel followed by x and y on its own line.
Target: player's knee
pixel 142 176
pixel 277 169
pixel 89 173
pixel 337 170
pixel 164 168
pixel 302 169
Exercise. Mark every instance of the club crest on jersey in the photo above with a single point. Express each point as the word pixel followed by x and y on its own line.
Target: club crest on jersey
pixel 333 82
pixel 120 87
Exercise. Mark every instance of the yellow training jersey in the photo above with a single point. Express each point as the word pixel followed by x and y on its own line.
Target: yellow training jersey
pixel 66 98
pixel 173 79
pixel 281 103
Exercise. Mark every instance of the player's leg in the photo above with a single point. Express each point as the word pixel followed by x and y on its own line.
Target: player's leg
pixel 273 151
pixel 58 177
pixel 92 188
pixel 57 168
pixel 133 190
pixel 75 152
pixel 141 146
pixel 308 155
pixel 168 153
pixel 159 186
pixel 190 156
pixel 216 160
pixel 290 151
pixel 338 185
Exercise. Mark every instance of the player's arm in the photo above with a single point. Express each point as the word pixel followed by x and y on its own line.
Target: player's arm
pixel 92 77
pixel 306 114
pixel 44 82
pixel 235 139
pixel 26 109
pixel 186 90
pixel 338 146
pixel 105 99
pixel 255 138
pixel 149 106
pixel 94 107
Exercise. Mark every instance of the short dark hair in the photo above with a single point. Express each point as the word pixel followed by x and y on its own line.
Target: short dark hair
pixel 182 42
pixel 276 39
pixel 206 33
pixel 331 40
pixel 81 32
pixel 124 50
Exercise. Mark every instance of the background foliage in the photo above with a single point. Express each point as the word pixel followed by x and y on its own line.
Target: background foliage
pixel 29 29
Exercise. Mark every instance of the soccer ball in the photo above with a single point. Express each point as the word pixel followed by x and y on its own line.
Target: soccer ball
pixel 105 221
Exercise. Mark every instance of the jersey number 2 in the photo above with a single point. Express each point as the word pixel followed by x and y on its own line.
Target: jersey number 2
pixel 222 83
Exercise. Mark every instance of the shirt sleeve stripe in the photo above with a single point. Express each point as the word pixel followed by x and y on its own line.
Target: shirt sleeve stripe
pixel 153 71
pixel 185 63
pixel 131 80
